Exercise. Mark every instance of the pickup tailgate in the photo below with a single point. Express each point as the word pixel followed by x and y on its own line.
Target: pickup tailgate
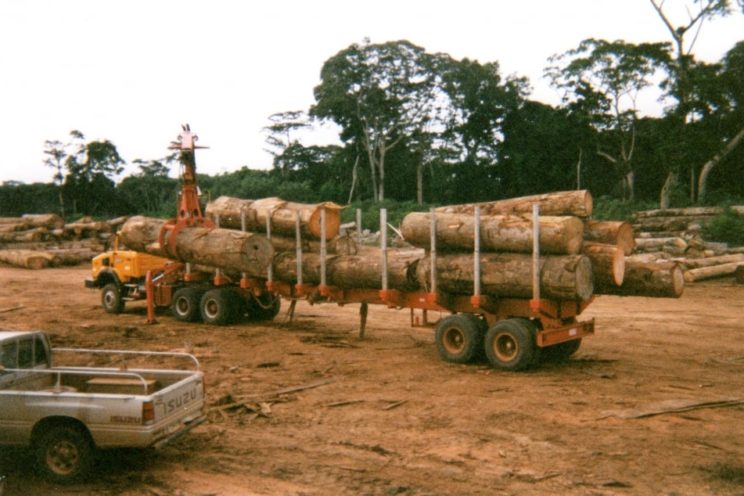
pixel 177 408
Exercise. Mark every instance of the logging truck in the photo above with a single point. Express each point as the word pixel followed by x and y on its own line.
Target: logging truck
pixel 494 300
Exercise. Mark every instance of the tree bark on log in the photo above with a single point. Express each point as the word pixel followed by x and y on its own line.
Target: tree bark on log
pixel 227 249
pixel 610 233
pixel 283 215
pixel 658 279
pixel 566 277
pixel 652 244
pixel 50 221
pixel 502 233
pixel 340 245
pixel 350 271
pixel 670 223
pixel 30 236
pixel 9 227
pixel 710 261
pixel 573 203
pixel 71 256
pixel 702 273
pixel 691 211
pixel 608 263
pixel 26 259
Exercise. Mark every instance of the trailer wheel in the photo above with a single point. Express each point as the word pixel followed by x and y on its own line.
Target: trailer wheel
pixel 111 299
pixel 218 306
pixel 264 307
pixel 561 352
pixel 459 338
pixel 64 453
pixel 185 305
pixel 510 344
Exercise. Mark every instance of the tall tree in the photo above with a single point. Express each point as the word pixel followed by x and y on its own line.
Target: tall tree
pixel 602 81
pixel 380 95
pixel 55 154
pixel 280 135
pixel 696 13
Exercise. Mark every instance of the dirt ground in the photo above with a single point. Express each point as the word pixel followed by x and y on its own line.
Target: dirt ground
pixel 388 416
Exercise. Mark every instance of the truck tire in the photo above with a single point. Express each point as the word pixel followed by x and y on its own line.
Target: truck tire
pixel 219 306
pixel 264 307
pixel 111 299
pixel 511 344
pixel 459 338
pixel 185 304
pixel 64 453
pixel 560 352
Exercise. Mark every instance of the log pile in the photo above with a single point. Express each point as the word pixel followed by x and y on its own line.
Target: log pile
pixel 674 235
pixel 36 241
pixel 579 257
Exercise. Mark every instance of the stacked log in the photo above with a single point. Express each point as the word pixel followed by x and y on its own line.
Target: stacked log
pixel 283 215
pixel 657 279
pixel 50 239
pixel 575 203
pixel 674 235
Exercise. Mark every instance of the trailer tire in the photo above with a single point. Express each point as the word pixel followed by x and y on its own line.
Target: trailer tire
pixel 111 298
pixel 185 304
pixel 459 338
pixel 218 306
pixel 511 344
pixel 64 453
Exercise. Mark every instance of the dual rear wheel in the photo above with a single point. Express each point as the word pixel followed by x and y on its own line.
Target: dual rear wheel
pixel 510 344
pixel 221 306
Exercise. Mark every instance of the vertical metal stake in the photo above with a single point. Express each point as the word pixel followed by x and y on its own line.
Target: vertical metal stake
pixel 243 229
pixel 270 270
pixel 383 247
pixel 217 272
pixel 323 248
pixel 359 221
pixel 476 252
pixel 298 241
pixel 433 251
pixel 535 251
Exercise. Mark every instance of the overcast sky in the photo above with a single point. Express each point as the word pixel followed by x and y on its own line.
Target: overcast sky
pixel 131 71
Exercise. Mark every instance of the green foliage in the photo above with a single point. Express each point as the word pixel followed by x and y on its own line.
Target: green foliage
pixel 726 228
pixel 608 208
pixel 371 212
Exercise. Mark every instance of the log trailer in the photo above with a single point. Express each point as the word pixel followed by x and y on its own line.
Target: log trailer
pixel 513 333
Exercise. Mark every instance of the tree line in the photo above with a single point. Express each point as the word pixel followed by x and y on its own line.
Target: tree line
pixel 424 127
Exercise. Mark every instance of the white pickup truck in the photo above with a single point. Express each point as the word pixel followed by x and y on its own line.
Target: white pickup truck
pixel 65 412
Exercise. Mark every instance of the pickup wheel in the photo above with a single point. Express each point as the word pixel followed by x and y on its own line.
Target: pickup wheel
pixel 111 299
pixel 64 453
pixel 219 306
pixel 185 305
pixel 511 344
pixel 459 338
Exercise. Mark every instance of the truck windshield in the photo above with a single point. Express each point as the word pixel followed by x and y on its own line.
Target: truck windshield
pixel 9 355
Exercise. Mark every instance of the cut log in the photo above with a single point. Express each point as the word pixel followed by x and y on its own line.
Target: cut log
pixel 71 256
pixel 340 245
pixel 226 249
pixel 726 269
pixel 679 212
pixel 350 271
pixel 8 227
pixel 566 277
pixel 659 279
pixel 611 233
pixel 283 215
pixel 710 261
pixel 50 221
pixel 608 263
pixel 573 203
pixel 650 257
pixel 10 220
pixel 652 244
pixel 87 228
pixel 670 223
pixel 27 259
pixel 28 236
pixel 505 233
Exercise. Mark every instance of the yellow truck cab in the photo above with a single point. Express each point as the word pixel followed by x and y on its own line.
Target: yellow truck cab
pixel 121 276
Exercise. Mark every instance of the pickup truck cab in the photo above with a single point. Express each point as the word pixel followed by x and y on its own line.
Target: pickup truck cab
pixel 65 413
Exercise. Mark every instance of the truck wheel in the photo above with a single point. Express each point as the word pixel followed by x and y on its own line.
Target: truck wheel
pixel 64 453
pixel 185 305
pixel 111 299
pixel 264 307
pixel 510 344
pixel 459 338
pixel 218 306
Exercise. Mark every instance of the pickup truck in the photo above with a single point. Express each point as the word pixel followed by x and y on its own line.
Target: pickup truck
pixel 65 413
